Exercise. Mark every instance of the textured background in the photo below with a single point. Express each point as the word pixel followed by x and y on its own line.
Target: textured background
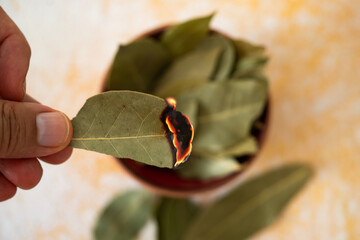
pixel 315 87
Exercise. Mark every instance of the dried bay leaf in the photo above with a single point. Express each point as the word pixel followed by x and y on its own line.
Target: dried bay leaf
pixel 174 217
pixel 251 60
pixel 190 109
pixel 136 65
pixel 124 217
pixel 183 37
pixel 227 58
pixel 206 168
pixel 250 207
pixel 245 48
pixel 227 111
pixel 192 69
pixel 247 146
pixel 248 67
pixel 124 124
pixel 175 88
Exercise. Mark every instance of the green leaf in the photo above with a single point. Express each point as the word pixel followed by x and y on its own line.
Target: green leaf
pixel 227 57
pixel 227 111
pixel 124 124
pixel 193 69
pixel 137 65
pixel 249 67
pixel 183 37
pixel 251 60
pixel 190 109
pixel 206 168
pixel 250 207
pixel 247 146
pixel 174 216
pixel 124 217
pixel 245 49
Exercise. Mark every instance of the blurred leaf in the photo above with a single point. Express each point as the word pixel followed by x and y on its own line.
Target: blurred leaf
pixel 124 217
pixel 124 124
pixel 246 49
pixel 190 70
pixel 248 67
pixel 227 57
pixel 173 217
pixel 136 65
pixel 183 37
pixel 175 88
pixel 227 111
pixel 251 60
pixel 247 146
pixel 250 207
pixel 190 109
pixel 206 168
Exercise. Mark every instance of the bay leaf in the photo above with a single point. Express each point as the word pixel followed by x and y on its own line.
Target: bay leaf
pixel 173 217
pixel 206 168
pixel 183 37
pixel 136 66
pixel 227 111
pixel 190 109
pixel 251 206
pixel 249 67
pixel 247 146
pixel 188 71
pixel 251 60
pixel 125 215
pixel 245 48
pixel 124 124
pixel 227 58
pixel 175 88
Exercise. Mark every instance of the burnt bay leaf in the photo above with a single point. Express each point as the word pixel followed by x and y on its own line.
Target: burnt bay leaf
pixel 124 124
pixel 125 215
pixel 251 206
pixel 227 111
pixel 206 168
pixel 247 146
pixel 136 65
pixel 183 37
pixel 227 58
pixel 188 71
pixel 173 217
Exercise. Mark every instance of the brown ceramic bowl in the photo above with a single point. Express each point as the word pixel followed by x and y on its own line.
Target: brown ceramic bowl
pixel 165 181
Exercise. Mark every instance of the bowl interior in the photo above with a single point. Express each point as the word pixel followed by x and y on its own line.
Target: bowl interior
pixel 166 181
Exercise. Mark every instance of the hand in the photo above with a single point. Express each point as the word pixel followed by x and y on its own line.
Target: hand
pixel 28 130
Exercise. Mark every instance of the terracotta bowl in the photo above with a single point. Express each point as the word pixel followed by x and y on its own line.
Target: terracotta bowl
pixel 165 181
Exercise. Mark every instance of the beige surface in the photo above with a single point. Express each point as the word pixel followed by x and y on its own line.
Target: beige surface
pixel 315 88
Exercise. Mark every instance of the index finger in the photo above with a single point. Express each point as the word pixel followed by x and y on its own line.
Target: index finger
pixel 14 59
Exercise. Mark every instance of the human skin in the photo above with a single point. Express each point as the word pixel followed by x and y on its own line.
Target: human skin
pixel 29 131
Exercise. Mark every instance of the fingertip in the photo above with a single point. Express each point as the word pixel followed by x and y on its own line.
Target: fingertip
pixel 54 129
pixel 59 157
pixel 24 173
pixel 7 189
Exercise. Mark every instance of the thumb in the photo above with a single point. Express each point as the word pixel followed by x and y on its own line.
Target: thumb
pixel 31 130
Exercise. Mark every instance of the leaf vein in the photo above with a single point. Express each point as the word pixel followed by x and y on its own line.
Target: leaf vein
pixel 118 138
pixel 107 134
pixel 112 145
pixel 152 160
